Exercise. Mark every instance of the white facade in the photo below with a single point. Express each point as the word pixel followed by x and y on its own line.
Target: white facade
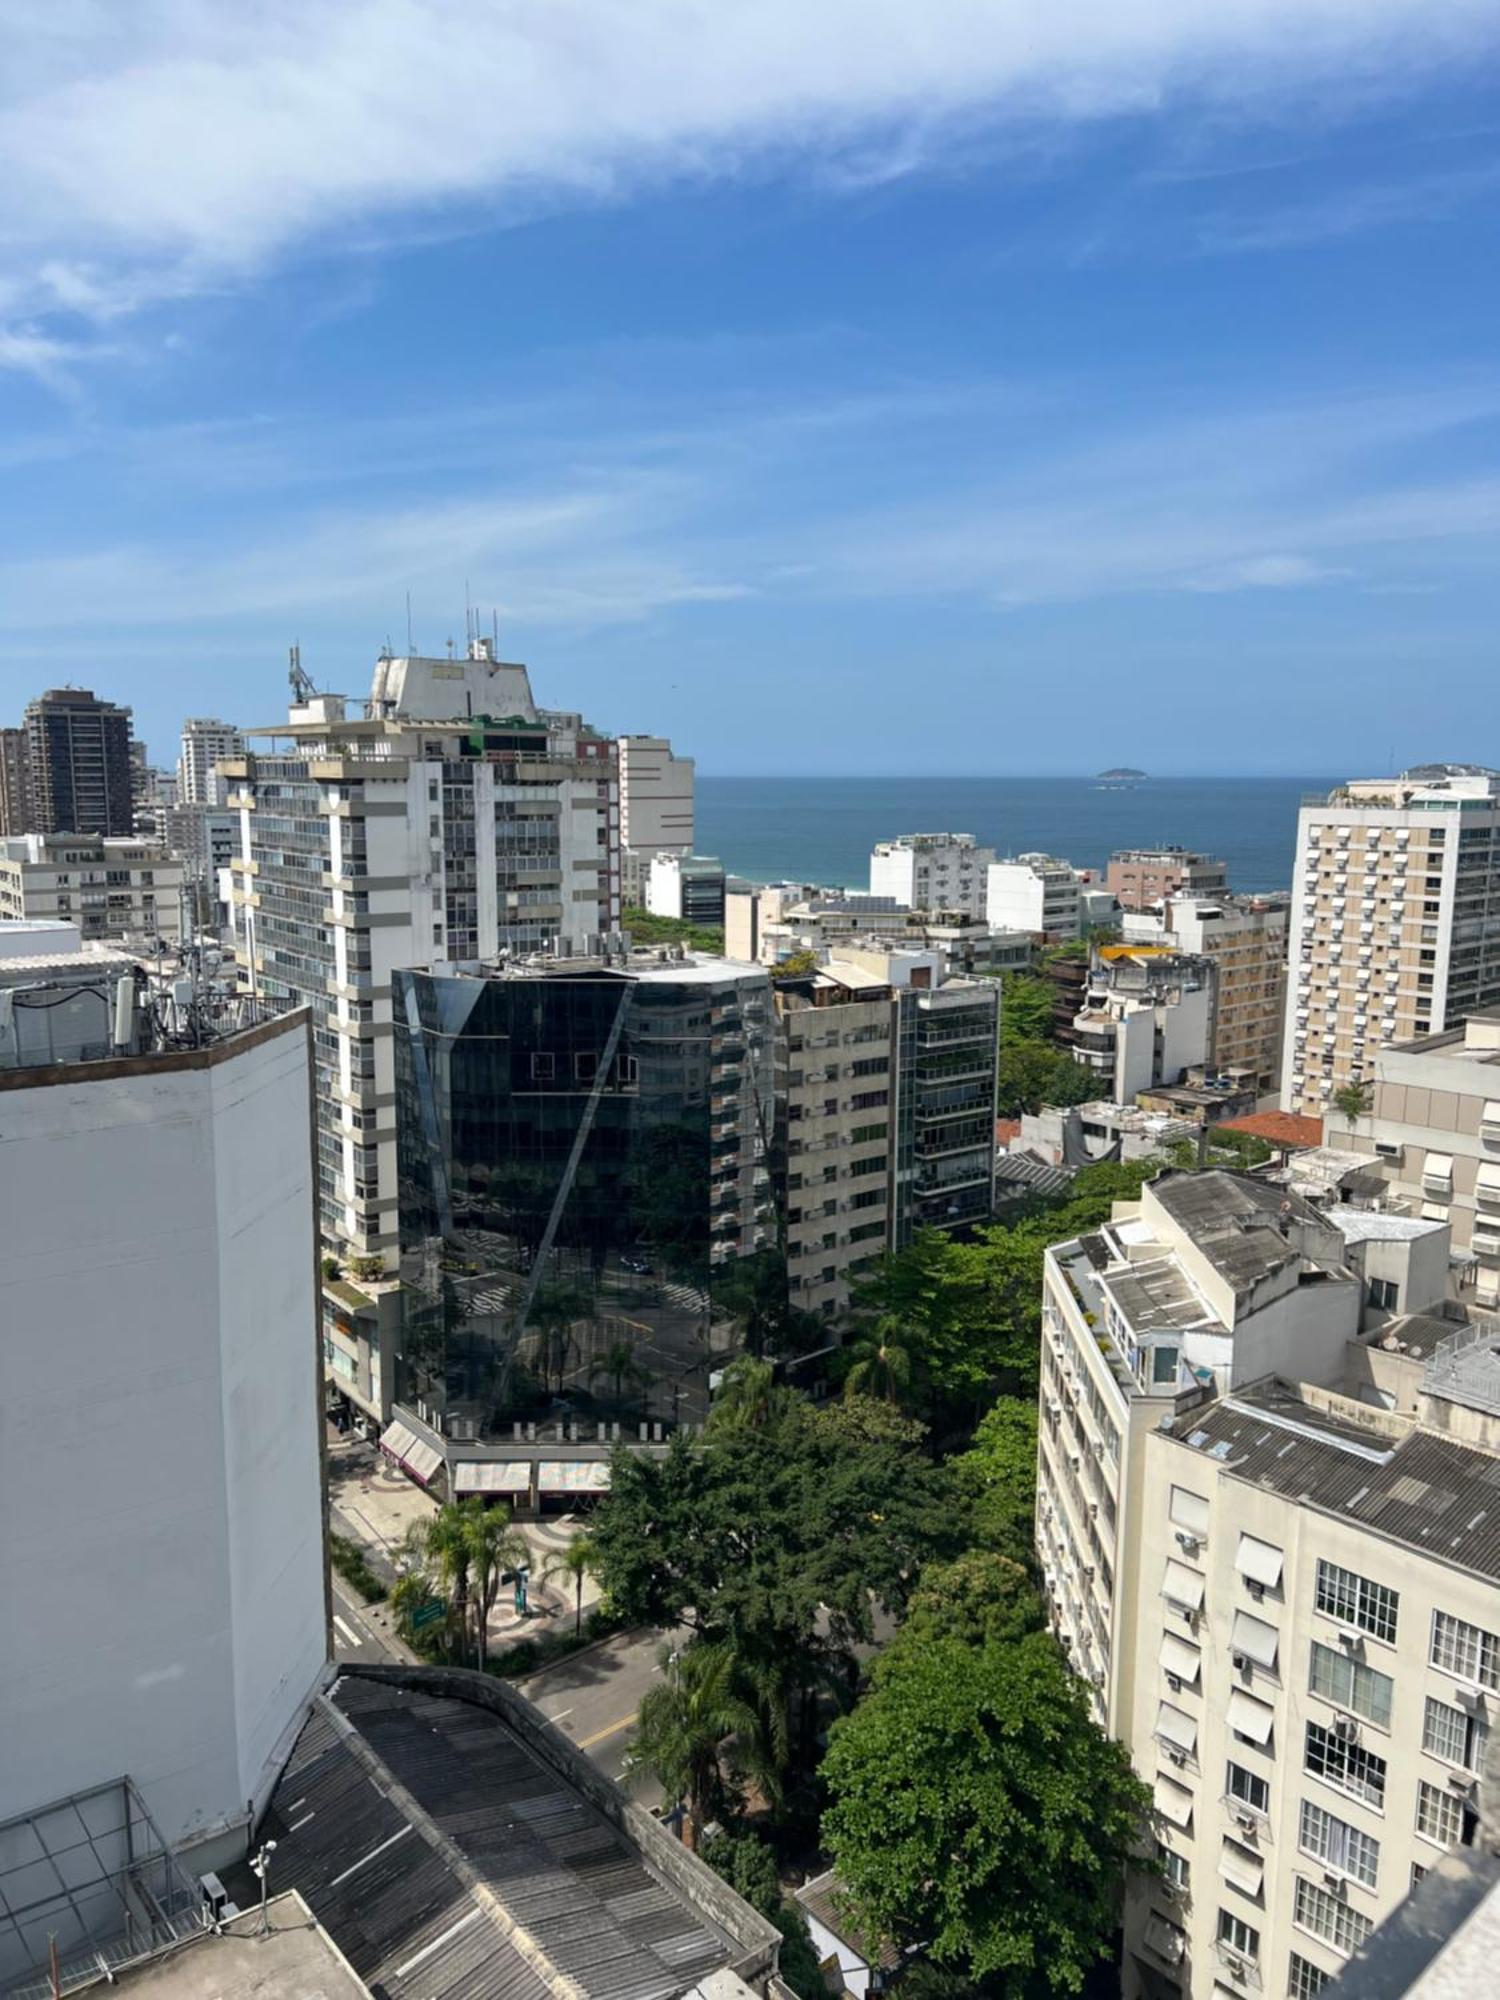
pixel 205 742
pixel 164 1567
pixel 932 871
pixel 1147 1017
pixel 412 839
pixel 656 796
pixel 1034 893
pixel 108 887
pixel 1395 928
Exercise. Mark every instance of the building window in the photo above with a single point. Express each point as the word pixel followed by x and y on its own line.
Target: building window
pixel 1304 1979
pixel 1354 1600
pixel 543 1067
pixel 585 1068
pixel 1238 1937
pixel 1174 1866
pixel 1338 1845
pixel 1466 1651
pixel 1351 1684
pixel 1385 1293
pixel 1337 1761
pixel 1453 1734
pixel 1247 1788
pixel 1329 1918
pixel 1440 1814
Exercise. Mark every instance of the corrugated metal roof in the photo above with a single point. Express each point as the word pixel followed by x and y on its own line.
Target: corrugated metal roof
pixel 403 1912
pixel 1429 1492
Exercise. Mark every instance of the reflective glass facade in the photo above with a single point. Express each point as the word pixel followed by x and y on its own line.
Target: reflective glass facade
pixel 585 1196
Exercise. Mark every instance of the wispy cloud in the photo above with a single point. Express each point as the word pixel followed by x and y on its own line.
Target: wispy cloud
pixel 150 150
pixel 1424 198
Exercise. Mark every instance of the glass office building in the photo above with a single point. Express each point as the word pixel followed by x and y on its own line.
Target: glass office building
pixel 585 1193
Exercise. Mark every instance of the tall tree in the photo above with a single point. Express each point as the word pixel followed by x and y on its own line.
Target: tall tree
pixel 998 1474
pixel 878 1363
pixel 575 1561
pixel 494 1548
pixel 685 1721
pixel 975 1808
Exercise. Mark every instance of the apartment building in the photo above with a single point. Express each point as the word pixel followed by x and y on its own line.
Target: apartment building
pixel 1147 1017
pixel 109 888
pixel 689 887
pixel 1035 893
pixel 206 742
pixel 454 822
pixel 78 753
pixel 932 871
pixel 1141 877
pixel 885 1112
pixel 1434 1125
pixel 15 783
pixel 769 924
pixel 656 806
pixel 1316 1658
pixel 1246 937
pixel 1395 927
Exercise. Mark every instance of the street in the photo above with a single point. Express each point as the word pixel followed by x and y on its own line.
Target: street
pixel 357 1630
pixel 593 1698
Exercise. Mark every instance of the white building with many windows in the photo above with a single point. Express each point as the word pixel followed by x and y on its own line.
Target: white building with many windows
pixel 1035 893
pixel 932 871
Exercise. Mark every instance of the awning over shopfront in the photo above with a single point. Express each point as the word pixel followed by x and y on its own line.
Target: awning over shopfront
pixel 492 1475
pixel 561 1475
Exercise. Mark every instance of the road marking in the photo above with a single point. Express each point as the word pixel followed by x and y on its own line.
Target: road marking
pixel 561 1715
pixel 351 1637
pixel 613 1729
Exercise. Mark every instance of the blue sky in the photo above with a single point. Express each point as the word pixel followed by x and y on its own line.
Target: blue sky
pixel 973 388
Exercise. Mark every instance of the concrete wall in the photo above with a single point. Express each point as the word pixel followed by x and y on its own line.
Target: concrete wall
pixel 159 1426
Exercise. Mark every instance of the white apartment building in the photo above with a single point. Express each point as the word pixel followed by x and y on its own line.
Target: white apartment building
pixel 1035 893
pixel 169 1617
pixel 454 822
pixel 656 804
pixel 205 744
pixel 1434 1125
pixel 765 925
pixel 1246 937
pixel 110 888
pixel 688 887
pixel 1395 928
pixel 1147 1016
pixel 932 871
pixel 1316 1662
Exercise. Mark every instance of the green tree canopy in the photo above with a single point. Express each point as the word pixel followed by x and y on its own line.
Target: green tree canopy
pixel 982 1598
pixel 1026 1008
pixel 748 1865
pixel 977 1810
pixel 998 1475
pixel 1031 1074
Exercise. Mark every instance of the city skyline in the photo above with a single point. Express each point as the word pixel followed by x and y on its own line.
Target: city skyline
pixel 1145 357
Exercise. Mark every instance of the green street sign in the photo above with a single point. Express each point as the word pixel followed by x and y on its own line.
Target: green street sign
pixel 433 1612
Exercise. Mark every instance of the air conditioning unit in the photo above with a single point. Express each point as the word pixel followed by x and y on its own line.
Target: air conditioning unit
pixel 1335 1882
pixel 1189 1544
pixel 1247 1822
pixel 1351 1638
pixel 1174 1682
pixel 1346 1729
pixel 1241 1662
pixel 1256 1590
pixel 1177 1756
pixel 1461 1781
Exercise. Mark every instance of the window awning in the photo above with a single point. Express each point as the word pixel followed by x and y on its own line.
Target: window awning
pixel 1487 1180
pixel 1179 1658
pixel 1434 1211
pixel 1183 1586
pixel 561 1475
pixel 1259 1561
pixel 1165 1939
pixel 1242 1869
pixel 1491 1112
pixel 1250 1717
pixel 1173 1801
pixel 1188 1510
pixel 1254 1638
pixel 1176 1726
pixel 1438 1167
pixel 492 1475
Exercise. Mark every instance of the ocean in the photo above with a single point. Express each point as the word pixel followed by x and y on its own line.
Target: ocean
pixel 822 829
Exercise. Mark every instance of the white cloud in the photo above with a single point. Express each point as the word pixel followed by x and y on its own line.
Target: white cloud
pixel 1265 572
pixel 174 143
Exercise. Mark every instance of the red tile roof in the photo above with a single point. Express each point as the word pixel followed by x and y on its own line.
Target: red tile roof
pixel 1007 1130
pixel 1278 1128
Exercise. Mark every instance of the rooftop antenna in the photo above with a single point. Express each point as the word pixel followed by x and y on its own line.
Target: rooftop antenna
pixel 469 632
pixel 301 683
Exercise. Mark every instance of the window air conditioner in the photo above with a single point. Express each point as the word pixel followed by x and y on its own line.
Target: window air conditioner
pixel 1174 1682
pixel 1241 1662
pixel 1189 1544
pixel 1346 1728
pixel 1256 1590
pixel 1336 1882
pixel 1177 1756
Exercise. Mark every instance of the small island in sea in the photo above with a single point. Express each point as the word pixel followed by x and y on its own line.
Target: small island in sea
pixel 1123 771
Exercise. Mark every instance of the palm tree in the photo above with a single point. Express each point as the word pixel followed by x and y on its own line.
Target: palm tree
pixel 881 1366
pixel 495 1546
pixel 575 1562
pixel 438 1549
pixel 618 1362
pixel 746 1396
pixel 552 1314
pixel 685 1722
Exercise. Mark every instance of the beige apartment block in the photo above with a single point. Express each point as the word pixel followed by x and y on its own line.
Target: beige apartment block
pixel 1434 1123
pixel 1316 1659
pixel 109 888
pixel 1395 928
pixel 1246 937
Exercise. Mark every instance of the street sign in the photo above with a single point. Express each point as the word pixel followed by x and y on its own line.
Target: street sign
pixel 433 1612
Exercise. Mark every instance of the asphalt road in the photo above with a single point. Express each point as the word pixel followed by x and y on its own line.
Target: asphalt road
pixel 357 1635
pixel 593 1697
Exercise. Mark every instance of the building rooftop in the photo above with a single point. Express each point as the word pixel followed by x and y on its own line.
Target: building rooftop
pixel 820 1899
pixel 451 1847
pixel 1240 1224
pixel 1279 1128
pixel 294 1960
pixel 1369 1225
pixel 1426 1491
